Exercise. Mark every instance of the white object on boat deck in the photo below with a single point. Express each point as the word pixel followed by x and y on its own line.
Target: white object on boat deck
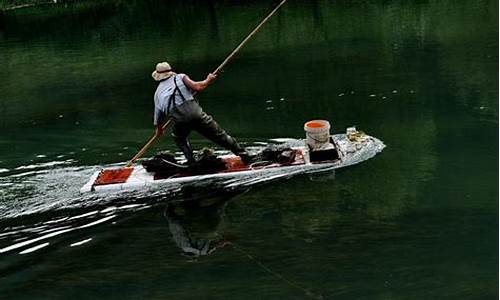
pixel 318 134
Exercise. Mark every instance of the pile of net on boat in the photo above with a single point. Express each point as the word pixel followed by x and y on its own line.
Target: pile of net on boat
pixel 165 164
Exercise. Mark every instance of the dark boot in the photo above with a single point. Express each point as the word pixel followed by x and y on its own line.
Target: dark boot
pixel 246 157
pixel 237 149
pixel 185 147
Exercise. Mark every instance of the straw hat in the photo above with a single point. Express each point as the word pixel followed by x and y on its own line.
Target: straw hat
pixel 162 71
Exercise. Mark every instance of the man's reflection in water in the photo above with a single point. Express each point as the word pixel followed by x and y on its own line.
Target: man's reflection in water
pixel 197 229
pixel 196 226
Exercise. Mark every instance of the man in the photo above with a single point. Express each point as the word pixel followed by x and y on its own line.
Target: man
pixel 174 99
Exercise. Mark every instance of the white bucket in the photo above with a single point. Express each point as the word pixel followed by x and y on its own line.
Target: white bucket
pixel 318 134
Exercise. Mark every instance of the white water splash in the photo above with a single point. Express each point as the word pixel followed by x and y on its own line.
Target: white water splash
pixel 80 242
pixel 53 234
pixel 46 164
pixel 33 249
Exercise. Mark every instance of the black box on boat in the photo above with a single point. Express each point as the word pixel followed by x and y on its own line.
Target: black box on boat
pixel 323 155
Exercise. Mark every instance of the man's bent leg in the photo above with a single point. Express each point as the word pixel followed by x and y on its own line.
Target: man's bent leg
pixel 207 126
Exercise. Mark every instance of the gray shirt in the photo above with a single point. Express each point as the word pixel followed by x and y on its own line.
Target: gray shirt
pixel 163 96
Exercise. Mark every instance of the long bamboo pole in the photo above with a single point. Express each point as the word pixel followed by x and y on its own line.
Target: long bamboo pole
pixel 249 36
pixel 219 68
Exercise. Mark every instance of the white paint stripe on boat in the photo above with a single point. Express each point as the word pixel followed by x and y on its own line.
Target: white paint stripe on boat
pixel 33 249
pixel 88 187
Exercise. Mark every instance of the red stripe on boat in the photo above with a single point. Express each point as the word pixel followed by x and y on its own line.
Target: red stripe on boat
pixel 113 176
pixel 235 164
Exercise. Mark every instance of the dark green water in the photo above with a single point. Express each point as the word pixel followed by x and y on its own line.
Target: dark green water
pixel 419 221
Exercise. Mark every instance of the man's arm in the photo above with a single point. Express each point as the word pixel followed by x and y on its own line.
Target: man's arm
pixel 159 130
pixel 198 86
pixel 158 121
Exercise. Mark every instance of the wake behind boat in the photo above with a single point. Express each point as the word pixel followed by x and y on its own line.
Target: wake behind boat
pixel 284 158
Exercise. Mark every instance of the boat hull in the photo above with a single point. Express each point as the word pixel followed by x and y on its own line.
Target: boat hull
pixel 350 152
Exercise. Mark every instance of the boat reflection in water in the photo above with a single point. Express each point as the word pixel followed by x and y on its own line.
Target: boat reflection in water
pixel 196 225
